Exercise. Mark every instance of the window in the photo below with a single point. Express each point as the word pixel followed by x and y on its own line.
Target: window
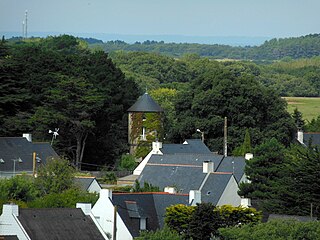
pixel 143 223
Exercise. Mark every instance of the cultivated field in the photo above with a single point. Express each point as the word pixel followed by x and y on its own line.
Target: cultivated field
pixel 310 107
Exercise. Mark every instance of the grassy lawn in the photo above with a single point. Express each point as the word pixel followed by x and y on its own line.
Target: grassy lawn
pixel 310 107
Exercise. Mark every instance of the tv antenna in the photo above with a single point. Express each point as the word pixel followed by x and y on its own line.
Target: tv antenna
pixel 26 22
pixel 54 134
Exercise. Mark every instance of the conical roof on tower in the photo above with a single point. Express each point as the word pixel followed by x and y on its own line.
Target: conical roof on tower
pixel 145 103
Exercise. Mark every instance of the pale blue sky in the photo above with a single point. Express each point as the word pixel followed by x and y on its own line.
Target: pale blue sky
pixel 268 18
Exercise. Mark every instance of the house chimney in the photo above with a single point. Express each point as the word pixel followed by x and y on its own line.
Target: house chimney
pixel 208 167
pixel 300 136
pixel 85 207
pixel 9 209
pixel 28 136
pixel 106 193
pixel 171 190
pixel 194 197
pixel 245 202
pixel 156 146
pixel 248 156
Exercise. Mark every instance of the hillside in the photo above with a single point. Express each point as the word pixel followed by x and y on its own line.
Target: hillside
pixel 274 49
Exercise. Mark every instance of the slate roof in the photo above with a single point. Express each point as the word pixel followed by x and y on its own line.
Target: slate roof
pixel 151 206
pixel 183 171
pixel 314 137
pixel 21 148
pixel 58 223
pixel 84 182
pixel 192 146
pixel 145 103
pixel 234 165
pixel 214 187
pixel 185 159
pixel 183 178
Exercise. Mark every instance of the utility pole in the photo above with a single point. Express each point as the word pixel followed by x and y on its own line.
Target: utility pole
pixel 225 138
pixel 22 29
pixel 115 222
pixel 26 20
pixel 34 155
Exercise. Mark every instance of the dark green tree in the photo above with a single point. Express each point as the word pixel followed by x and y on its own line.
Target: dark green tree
pixel 204 222
pixel 264 170
pixel 219 93
pixel 298 119
pixel 55 177
pixel 245 147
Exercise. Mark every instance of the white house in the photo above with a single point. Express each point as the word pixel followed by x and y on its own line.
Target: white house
pixel 104 212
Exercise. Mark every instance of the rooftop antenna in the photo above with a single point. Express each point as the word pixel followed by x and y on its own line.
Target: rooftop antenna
pixel 54 134
pixel 26 21
pixel 225 150
pixel 22 29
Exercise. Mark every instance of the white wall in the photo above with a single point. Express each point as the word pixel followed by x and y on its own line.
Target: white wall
pixel 230 195
pixel 9 223
pixel 94 187
pixel 103 211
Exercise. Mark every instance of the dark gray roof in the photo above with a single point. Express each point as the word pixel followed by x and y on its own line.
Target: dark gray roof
pixel 193 146
pixel 233 165
pixel 314 137
pixel 145 103
pixel 162 201
pixel 214 187
pixel 183 178
pixel 84 182
pixel 151 205
pixel 186 159
pixel 20 148
pixel 58 223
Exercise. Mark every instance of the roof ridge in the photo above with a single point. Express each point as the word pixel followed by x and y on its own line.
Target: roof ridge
pixel 152 193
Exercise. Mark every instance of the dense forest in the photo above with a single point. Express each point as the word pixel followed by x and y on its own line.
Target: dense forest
pixel 58 83
pixel 299 78
pixel 61 82
pixel 274 49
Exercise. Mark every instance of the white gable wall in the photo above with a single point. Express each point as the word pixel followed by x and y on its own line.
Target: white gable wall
pixel 144 162
pixel 230 194
pixel 103 211
pixel 9 223
pixel 94 187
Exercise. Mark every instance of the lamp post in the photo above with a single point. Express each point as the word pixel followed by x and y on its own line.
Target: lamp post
pixel 202 134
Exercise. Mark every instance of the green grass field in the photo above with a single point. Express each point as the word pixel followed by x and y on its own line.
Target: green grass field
pixel 310 107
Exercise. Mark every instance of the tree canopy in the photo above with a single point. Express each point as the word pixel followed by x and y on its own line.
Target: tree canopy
pixel 58 83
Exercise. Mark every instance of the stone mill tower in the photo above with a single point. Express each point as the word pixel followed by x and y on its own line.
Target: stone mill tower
pixel 145 125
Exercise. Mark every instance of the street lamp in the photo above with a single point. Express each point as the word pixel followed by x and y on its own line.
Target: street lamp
pixel 19 160
pixel 202 134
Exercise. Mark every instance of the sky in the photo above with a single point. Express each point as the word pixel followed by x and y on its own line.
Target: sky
pixel 247 18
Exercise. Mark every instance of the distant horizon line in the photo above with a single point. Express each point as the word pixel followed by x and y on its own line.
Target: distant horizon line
pixel 167 38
